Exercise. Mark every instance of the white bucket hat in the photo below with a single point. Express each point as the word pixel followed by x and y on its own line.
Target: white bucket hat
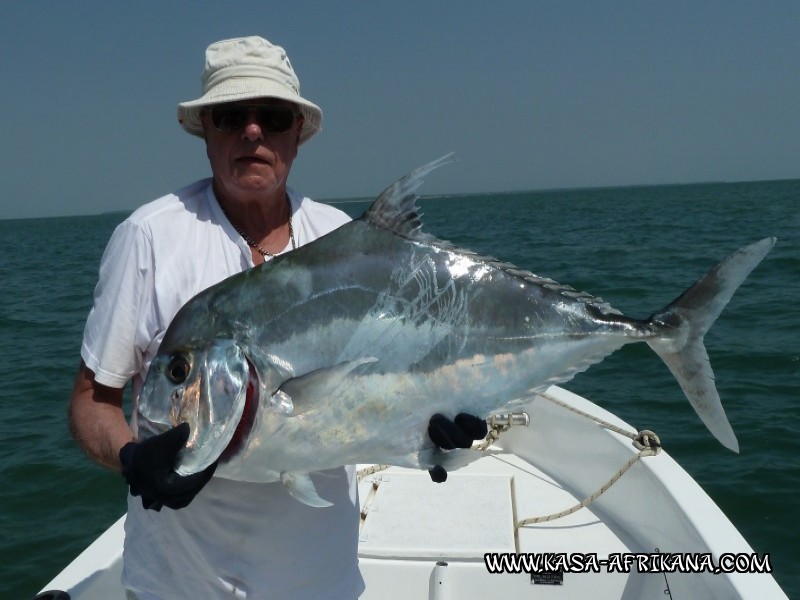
pixel 244 69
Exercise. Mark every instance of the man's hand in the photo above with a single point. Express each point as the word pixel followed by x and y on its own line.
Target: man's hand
pixel 148 467
pixel 458 433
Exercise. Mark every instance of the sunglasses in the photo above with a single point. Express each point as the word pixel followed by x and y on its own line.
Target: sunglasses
pixel 275 118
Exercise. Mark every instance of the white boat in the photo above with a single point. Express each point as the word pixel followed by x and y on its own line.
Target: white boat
pixel 639 539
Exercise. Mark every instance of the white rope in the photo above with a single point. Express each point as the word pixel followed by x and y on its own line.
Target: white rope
pixel 603 488
pixel 645 440
pixel 361 473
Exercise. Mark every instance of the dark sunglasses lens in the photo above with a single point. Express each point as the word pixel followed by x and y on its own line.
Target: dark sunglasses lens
pixel 229 118
pixel 276 119
pixel 272 119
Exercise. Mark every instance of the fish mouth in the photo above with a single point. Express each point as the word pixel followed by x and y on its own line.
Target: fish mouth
pixel 145 428
pixel 245 425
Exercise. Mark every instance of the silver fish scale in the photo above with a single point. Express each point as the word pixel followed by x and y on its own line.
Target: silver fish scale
pixel 409 299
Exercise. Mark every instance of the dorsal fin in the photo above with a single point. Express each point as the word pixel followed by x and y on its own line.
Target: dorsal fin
pixel 396 208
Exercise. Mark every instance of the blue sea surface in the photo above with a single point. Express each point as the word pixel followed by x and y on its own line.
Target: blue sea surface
pixel 637 247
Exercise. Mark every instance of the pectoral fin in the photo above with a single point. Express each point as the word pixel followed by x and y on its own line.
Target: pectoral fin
pixel 300 486
pixel 296 395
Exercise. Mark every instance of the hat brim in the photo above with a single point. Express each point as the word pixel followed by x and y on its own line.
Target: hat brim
pixel 238 89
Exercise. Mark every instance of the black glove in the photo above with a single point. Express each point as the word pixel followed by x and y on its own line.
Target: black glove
pixel 458 433
pixel 148 468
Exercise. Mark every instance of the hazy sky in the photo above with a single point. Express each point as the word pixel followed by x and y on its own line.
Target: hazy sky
pixel 528 94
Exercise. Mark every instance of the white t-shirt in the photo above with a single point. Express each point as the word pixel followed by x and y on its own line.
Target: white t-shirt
pixel 235 540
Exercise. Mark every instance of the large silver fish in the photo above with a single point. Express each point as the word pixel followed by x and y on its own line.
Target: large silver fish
pixel 350 344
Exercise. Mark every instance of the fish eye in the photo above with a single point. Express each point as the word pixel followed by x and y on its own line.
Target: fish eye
pixel 178 369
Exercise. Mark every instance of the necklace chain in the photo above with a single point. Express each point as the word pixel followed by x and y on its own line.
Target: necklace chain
pixel 251 242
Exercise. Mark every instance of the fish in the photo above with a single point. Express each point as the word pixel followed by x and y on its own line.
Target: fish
pixel 339 352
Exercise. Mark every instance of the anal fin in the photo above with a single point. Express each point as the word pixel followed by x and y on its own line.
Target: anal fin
pixel 301 488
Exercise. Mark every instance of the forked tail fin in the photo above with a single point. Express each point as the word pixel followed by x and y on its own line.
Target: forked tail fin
pixel 684 324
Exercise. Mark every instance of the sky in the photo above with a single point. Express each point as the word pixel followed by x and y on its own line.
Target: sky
pixel 528 94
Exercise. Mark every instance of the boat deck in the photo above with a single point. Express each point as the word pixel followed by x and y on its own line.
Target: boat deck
pixel 412 525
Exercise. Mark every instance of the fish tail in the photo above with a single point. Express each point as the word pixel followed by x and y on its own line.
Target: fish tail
pixel 683 324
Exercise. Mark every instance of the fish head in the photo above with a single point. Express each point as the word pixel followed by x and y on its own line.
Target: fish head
pixel 204 387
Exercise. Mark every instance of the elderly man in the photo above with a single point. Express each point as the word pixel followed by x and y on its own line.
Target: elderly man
pixel 234 539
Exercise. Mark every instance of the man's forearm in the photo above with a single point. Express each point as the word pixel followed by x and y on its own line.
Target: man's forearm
pixel 96 420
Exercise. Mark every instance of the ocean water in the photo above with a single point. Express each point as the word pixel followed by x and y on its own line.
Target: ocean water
pixel 638 248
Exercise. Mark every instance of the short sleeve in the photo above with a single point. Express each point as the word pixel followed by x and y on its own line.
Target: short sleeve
pixel 121 322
